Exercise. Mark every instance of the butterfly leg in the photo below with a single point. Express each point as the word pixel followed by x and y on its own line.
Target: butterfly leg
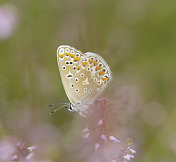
pixel 83 113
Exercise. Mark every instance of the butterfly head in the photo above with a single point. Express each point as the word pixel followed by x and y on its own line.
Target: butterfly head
pixel 67 106
pixel 70 107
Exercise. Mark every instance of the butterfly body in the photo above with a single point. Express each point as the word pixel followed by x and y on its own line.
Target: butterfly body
pixel 84 76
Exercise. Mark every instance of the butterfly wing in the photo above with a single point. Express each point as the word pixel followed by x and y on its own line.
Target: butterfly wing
pixel 91 77
pixel 68 58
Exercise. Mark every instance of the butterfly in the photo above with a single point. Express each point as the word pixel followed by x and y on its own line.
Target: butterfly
pixel 84 76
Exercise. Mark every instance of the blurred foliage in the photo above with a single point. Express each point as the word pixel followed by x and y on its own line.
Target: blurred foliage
pixel 137 38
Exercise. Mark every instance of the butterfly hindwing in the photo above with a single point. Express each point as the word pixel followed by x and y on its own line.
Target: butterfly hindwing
pixel 91 77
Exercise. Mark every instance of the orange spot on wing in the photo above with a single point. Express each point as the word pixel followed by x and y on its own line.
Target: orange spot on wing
pixel 91 61
pixel 104 78
pixel 84 63
pixel 101 73
pixel 61 55
pixel 72 55
pixel 97 68
pixel 67 54
pixel 79 67
pixel 76 58
pixel 95 63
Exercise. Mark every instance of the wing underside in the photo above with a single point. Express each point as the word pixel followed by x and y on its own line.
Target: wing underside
pixel 84 76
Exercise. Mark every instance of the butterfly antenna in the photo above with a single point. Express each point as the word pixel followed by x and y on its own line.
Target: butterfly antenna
pixel 57 104
pixel 52 112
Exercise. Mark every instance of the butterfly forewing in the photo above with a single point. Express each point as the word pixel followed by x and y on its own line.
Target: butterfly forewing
pixel 68 58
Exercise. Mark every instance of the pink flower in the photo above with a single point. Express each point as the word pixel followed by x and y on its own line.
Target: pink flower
pixel 113 139
pixel 128 157
pixel 31 148
pixel 100 122
pixel 6 150
pixel 30 156
pixel 103 137
pixel 97 146
pixel 8 20
pixel 106 146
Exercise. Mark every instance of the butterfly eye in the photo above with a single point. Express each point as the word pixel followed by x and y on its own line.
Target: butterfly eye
pixel 76 80
pixel 85 89
pixel 63 67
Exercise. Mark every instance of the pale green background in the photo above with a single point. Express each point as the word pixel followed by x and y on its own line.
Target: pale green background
pixel 136 37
